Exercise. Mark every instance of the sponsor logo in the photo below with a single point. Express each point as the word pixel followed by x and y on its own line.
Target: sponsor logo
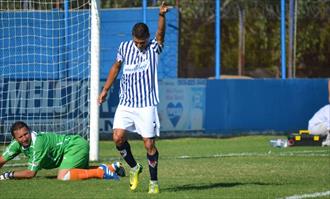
pixel 123 153
pixel 174 112
pixel 152 163
pixel 134 68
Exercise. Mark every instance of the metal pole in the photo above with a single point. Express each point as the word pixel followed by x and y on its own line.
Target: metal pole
pixel 66 42
pixel 217 39
pixel 283 53
pixel 294 40
pixel 144 11
pixel 241 40
pixel 291 29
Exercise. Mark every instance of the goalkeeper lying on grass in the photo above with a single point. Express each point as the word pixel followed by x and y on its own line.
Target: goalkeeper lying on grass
pixel 69 153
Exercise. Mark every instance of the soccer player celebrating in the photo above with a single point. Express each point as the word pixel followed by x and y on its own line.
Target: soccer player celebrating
pixel 319 124
pixel 69 153
pixel 138 99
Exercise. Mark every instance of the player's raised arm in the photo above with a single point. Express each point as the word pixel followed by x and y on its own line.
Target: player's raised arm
pixel 110 79
pixel 160 34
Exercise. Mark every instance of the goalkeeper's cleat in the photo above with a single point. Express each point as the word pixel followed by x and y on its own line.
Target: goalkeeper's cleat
pixel 108 174
pixel 153 187
pixel 119 169
pixel 134 176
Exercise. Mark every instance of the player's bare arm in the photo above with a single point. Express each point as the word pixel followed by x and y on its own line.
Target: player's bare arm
pixel 160 35
pixel 2 161
pixel 25 174
pixel 110 79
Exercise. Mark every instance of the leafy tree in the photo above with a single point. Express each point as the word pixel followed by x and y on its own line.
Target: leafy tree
pixel 262 38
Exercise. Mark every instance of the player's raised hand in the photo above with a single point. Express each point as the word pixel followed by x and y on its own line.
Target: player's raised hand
pixel 163 8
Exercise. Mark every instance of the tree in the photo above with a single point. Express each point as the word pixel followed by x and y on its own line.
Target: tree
pixel 262 38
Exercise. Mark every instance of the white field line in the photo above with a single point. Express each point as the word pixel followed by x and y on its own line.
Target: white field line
pixel 311 195
pixel 249 154
pixel 313 151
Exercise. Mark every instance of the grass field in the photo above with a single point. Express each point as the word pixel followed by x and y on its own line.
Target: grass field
pixel 239 167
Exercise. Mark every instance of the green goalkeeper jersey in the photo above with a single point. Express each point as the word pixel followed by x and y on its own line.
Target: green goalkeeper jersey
pixel 45 151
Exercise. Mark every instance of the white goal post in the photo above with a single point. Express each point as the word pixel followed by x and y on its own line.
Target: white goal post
pixel 95 80
pixel 49 67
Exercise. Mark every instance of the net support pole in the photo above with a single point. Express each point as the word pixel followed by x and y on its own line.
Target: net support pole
pixel 144 11
pixel 283 31
pixel 66 42
pixel 217 39
pixel 94 81
pixel 291 31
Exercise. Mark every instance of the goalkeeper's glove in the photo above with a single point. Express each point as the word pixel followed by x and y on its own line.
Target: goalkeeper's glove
pixel 7 175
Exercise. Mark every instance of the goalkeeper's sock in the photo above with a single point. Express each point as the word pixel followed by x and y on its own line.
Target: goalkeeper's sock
pixel 111 168
pixel 82 174
pixel 125 152
pixel 153 164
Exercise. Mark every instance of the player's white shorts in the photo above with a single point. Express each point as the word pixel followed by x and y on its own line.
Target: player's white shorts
pixel 143 121
pixel 319 128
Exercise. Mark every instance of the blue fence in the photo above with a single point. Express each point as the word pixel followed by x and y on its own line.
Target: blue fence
pixel 116 26
pixel 48 46
pixel 262 105
pixel 232 106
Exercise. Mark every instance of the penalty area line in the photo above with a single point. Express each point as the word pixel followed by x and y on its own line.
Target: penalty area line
pixel 249 154
pixel 311 195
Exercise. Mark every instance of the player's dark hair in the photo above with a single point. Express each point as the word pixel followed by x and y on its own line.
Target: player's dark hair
pixel 17 126
pixel 140 31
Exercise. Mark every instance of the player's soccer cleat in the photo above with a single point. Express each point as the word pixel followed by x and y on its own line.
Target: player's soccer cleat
pixel 153 187
pixel 119 169
pixel 108 175
pixel 134 176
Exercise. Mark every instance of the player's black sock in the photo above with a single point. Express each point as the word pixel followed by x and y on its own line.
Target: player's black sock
pixel 125 152
pixel 153 164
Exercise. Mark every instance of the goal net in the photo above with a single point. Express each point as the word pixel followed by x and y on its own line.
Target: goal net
pixel 45 66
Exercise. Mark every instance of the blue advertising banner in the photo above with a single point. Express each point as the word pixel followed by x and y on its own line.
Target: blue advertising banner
pixel 182 104
pixel 43 98
pixel 52 105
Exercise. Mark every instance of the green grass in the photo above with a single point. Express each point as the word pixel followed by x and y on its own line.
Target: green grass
pixel 240 167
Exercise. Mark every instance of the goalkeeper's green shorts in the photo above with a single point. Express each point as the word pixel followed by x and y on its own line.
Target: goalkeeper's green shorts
pixel 76 154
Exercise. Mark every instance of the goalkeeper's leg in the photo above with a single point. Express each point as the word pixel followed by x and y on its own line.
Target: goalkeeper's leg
pixel 104 171
pixel 79 174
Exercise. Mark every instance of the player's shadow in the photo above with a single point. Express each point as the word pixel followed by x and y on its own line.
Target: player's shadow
pixel 187 187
